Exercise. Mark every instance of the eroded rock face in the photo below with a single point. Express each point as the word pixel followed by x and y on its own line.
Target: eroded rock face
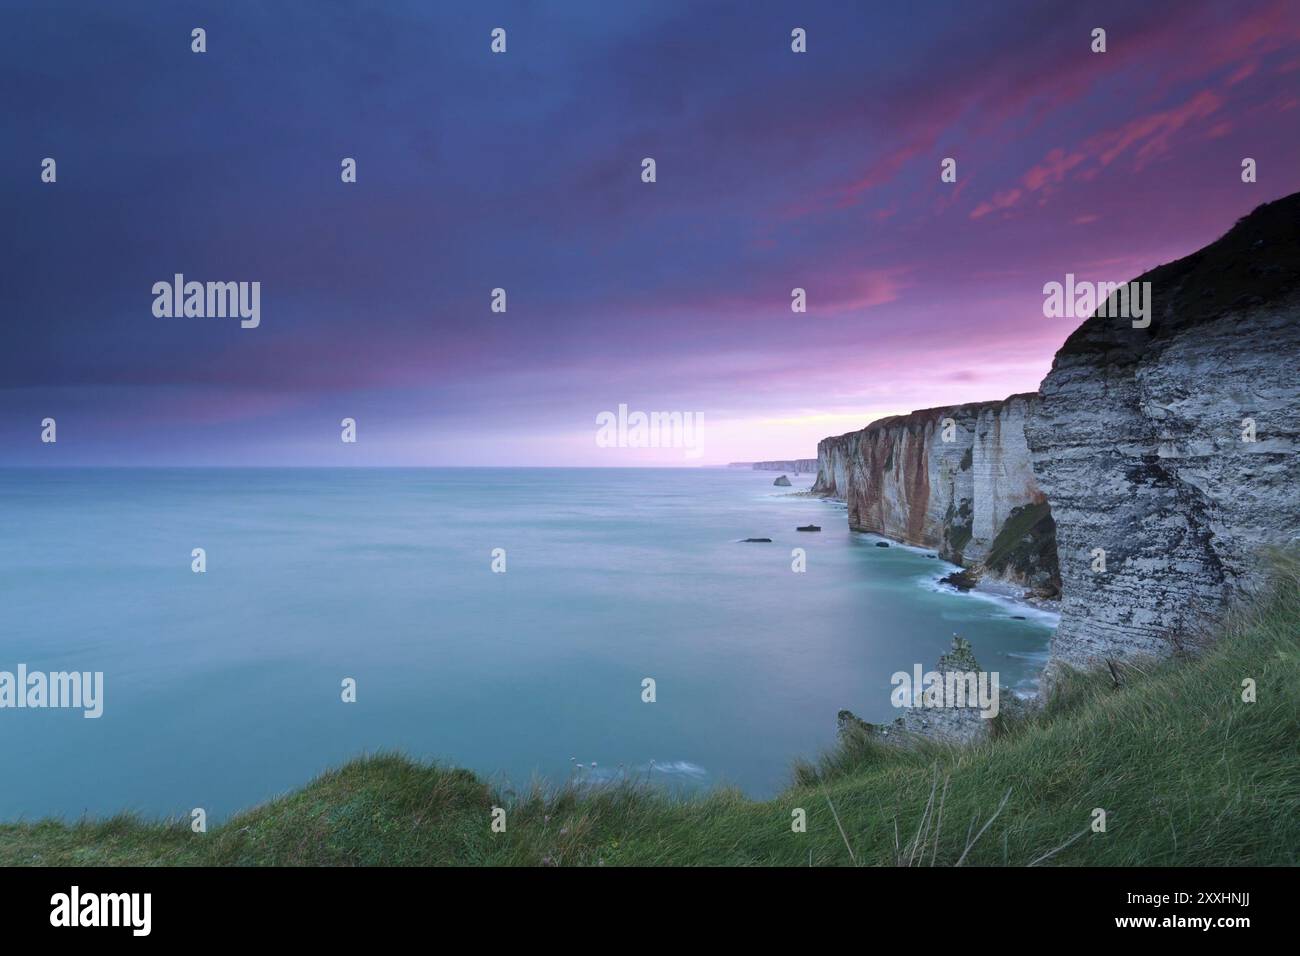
pixel 901 479
pixel 951 724
pixel 1138 443
pixel 958 725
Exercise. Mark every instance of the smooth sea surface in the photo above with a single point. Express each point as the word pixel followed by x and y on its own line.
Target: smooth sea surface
pixel 223 689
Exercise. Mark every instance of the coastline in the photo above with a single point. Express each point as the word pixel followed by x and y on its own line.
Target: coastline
pixel 1018 602
pixel 1048 609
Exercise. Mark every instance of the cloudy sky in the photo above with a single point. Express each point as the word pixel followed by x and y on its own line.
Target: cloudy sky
pixel 523 171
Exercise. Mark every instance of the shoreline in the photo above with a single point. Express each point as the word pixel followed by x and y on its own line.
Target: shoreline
pixel 997 590
pixel 1006 596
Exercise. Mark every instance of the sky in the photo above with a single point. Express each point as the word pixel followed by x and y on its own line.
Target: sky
pixel 523 171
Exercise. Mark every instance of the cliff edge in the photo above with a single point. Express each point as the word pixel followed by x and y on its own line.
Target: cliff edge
pixel 1169 453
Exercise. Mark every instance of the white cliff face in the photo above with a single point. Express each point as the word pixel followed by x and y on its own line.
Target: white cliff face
pixel 1138 443
pixel 796 466
pixel 902 479
pixel 832 466
pixel 898 477
pixel 1170 456
pixel 1001 471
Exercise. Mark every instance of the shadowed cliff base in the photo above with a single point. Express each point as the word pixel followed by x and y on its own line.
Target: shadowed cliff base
pixel 1140 745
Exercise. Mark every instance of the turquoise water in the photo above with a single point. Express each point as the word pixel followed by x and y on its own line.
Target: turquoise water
pixel 223 689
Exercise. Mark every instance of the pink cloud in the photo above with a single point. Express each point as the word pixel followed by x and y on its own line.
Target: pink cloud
pixel 885 168
pixel 1150 135
pixel 1271 29
pixel 1153 131
pixel 1052 169
pixel 1243 72
pixel 1002 200
pixel 864 290
pixel 1045 84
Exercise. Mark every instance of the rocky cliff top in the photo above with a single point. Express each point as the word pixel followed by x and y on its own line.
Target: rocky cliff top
pixel 1255 263
pixel 922 417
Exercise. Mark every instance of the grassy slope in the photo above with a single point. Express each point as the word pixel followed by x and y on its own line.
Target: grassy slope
pixel 1003 548
pixel 1187 772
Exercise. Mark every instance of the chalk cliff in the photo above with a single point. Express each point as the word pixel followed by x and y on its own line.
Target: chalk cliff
pixel 1141 441
pixel 1171 453
pixel 795 466
pixel 957 479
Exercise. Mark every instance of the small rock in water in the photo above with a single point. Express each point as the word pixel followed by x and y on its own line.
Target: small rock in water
pixel 783 482
pixel 808 527
pixel 1017 617
pixel 961 580
pixel 768 540
pixel 882 544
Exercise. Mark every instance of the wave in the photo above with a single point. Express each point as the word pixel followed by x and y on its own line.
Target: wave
pixel 1014 606
pixel 680 767
pixel 651 771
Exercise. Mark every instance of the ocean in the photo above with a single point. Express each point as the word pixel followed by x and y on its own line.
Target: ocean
pixel 224 688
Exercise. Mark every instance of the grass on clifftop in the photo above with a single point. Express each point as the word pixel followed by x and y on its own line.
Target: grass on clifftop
pixel 1187 772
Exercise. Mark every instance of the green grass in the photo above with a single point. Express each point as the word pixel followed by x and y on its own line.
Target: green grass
pixel 1187 772
pixel 1026 544
pixel 1013 532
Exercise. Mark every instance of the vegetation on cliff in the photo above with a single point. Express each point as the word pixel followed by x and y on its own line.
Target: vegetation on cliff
pixel 1025 549
pixel 1187 772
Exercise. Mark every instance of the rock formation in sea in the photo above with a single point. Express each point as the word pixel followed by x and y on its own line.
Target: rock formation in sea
pixel 950 724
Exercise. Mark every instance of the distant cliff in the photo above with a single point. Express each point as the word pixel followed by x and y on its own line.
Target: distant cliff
pixel 1141 442
pixel 797 466
pixel 957 479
